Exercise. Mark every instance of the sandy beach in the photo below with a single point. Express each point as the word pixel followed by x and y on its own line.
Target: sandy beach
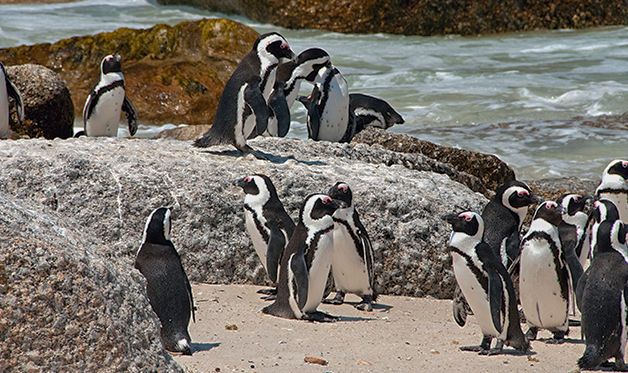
pixel 402 334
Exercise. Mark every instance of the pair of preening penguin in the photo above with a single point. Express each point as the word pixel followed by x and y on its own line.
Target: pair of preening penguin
pixel 548 260
pixel 297 258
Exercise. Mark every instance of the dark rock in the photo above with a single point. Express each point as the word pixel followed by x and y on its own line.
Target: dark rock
pixel 65 306
pixel 173 74
pixel 553 189
pixel 481 172
pixel 424 17
pixel 618 122
pixel 118 182
pixel 48 107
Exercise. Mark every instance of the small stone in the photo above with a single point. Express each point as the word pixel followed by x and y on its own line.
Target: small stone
pixel 315 360
pixel 434 352
pixel 231 327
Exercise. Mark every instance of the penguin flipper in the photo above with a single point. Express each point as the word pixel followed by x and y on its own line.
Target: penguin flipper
pixel 254 98
pixel 279 106
pixel 131 115
pixel 367 253
pixel 574 267
pixel 313 114
pixel 298 267
pixel 14 93
pixel 582 282
pixel 88 109
pixel 495 297
pixel 274 251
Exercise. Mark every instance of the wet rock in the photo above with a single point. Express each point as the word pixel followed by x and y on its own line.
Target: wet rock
pixel 423 17
pixel 118 182
pixel 481 172
pixel 618 122
pixel 48 107
pixel 65 306
pixel 173 74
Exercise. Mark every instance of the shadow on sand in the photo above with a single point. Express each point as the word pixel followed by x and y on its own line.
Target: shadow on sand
pixel 198 347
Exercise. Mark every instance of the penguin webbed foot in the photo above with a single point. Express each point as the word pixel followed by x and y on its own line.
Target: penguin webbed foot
pixel 366 304
pixel 531 333
pixel 319 316
pixel 499 346
pixel 485 345
pixel 337 300
pixel 558 338
pixel 269 297
pixel 269 291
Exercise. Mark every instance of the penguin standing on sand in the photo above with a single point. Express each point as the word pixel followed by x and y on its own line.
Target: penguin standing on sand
pixel 572 229
pixel 167 285
pixel 544 275
pixel 352 260
pixel 614 186
pixel 486 285
pixel 8 89
pixel 602 297
pixel 243 110
pixel 101 113
pixel 371 111
pixel 267 222
pixel 503 217
pixel 306 262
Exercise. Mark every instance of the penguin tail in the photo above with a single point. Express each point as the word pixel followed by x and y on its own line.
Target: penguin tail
pixel 80 133
pixel 210 138
pixel 591 357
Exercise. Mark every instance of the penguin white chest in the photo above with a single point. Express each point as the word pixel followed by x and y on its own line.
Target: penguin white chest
pixel 259 244
pixel 539 285
pixel 334 119
pixel 106 114
pixel 4 108
pixel 348 268
pixel 621 201
pixel 319 271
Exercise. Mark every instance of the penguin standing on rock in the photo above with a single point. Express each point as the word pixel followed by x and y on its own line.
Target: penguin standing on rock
pixel 371 111
pixel 306 262
pixel 8 90
pixel 243 110
pixel 167 285
pixel 352 260
pixel 101 113
pixel 602 297
pixel 614 186
pixel 486 285
pixel 267 222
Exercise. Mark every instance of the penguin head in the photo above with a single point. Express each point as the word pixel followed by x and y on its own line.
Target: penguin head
pixel 157 228
pixel 310 61
pixel 615 176
pixel 341 192
pixel 468 223
pixel 111 64
pixel 317 210
pixel 549 211
pixel 605 209
pixel 392 117
pixel 611 235
pixel 258 189
pixel 573 203
pixel 516 195
pixel 274 48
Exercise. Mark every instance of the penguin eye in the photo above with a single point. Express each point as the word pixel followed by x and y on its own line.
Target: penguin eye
pixel 326 200
pixel 284 46
pixel 550 205
pixel 523 193
pixel 577 198
pixel 343 188
pixel 248 179
pixel 624 164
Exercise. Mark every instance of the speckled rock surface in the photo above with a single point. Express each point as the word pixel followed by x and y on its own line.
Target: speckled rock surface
pixel 48 107
pixel 63 306
pixel 107 188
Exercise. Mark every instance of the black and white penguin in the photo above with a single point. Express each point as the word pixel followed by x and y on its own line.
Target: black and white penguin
pixel 572 229
pixel 167 285
pixel 605 210
pixel 371 111
pixel 352 260
pixel 306 262
pixel 486 285
pixel 279 112
pixel 602 296
pixel 503 217
pixel 544 275
pixel 243 110
pixel 614 186
pixel 8 90
pixel 267 222
pixel 101 113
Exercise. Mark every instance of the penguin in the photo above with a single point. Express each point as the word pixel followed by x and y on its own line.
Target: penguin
pixel 279 112
pixel 371 111
pixel 243 110
pixel 8 90
pixel 486 285
pixel 334 122
pixel 503 217
pixel 306 262
pixel 544 275
pixel 352 259
pixel 602 298
pixel 614 186
pixel 572 229
pixel 605 210
pixel 267 222
pixel 167 285
pixel 101 113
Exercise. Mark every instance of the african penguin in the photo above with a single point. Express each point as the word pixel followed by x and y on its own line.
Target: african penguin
pixel 503 217
pixel 167 285
pixel 371 111
pixel 267 222
pixel 8 90
pixel 101 113
pixel 572 229
pixel 486 285
pixel 602 297
pixel 352 259
pixel 243 110
pixel 614 186
pixel 306 261
pixel 544 275
pixel 605 210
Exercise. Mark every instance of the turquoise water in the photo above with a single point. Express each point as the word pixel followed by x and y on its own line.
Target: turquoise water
pixel 511 95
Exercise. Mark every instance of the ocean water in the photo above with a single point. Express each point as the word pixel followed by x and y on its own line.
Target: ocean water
pixel 512 95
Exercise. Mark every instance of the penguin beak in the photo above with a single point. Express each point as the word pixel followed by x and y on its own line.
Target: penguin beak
pixel 537 200
pixel 588 198
pixel 117 57
pixel 450 218
pixel 239 182
pixel 338 204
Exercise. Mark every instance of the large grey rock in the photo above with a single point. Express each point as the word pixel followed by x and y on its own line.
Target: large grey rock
pixel 63 306
pixel 107 188
pixel 48 107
